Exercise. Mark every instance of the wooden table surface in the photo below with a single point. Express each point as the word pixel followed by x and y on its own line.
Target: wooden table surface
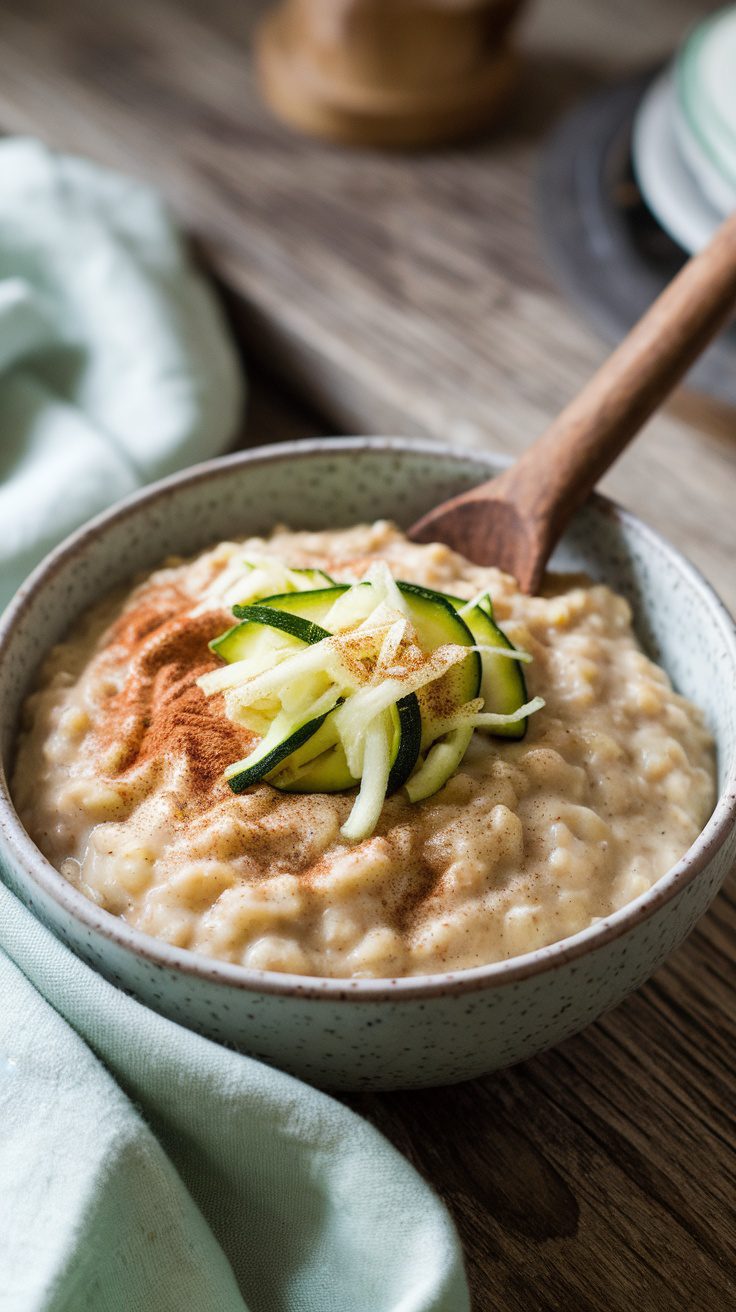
pixel 601 1176
pixel 411 295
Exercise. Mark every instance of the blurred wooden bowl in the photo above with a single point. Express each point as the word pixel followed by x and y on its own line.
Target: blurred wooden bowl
pixel 398 73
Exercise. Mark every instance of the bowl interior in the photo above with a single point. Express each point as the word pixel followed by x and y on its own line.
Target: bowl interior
pixel 337 482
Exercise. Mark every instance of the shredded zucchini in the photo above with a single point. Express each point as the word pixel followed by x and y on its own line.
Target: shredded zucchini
pixel 375 769
pixel 325 703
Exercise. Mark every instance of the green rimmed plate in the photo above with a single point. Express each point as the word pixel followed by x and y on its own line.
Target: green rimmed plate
pixel 705 93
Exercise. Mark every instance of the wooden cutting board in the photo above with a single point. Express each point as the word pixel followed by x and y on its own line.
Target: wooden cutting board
pixel 399 293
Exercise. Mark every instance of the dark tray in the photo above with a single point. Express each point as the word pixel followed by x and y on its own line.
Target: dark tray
pixel 606 248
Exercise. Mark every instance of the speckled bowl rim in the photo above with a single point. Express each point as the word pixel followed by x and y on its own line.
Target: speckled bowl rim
pixel 513 970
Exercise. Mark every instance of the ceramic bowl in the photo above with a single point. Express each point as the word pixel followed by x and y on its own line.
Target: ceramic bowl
pixel 393 1033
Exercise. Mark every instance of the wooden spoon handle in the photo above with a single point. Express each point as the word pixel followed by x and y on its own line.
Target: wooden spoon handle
pixel 554 476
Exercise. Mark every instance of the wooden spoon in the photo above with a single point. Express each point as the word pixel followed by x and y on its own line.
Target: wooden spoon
pixel 515 520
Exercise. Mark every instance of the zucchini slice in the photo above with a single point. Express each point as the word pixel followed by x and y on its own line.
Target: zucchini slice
pixel 253 642
pixel 287 621
pixel 262 632
pixel 503 686
pixel 435 619
pixel 407 741
pixel 342 606
pixel 283 737
pixel 436 622
pixel 320 766
pixel 381 740
pixel 311 607
pixel 264 576
pixel 317 767
pixel 433 616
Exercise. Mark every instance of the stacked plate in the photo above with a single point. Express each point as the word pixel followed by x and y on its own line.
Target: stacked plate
pixel 684 142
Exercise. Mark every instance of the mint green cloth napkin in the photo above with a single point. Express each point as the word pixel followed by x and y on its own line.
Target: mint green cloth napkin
pixel 145 1169
pixel 115 365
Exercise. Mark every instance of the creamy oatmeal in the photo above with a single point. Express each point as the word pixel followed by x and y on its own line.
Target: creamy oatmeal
pixel 119 782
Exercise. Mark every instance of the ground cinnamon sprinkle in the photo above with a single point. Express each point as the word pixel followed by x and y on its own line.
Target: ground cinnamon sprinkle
pixel 160 712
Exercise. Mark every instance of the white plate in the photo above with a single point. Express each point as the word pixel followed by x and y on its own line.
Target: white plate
pixel 705 87
pixel 718 190
pixel 668 186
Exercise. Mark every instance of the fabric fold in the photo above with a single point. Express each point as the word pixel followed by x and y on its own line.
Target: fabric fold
pixel 116 367
pixel 144 1168
pixel 202 1179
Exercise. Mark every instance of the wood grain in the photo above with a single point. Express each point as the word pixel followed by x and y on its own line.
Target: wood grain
pixel 400 294
pixel 411 295
pixel 600 1177
pixel 514 521
pixel 368 73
